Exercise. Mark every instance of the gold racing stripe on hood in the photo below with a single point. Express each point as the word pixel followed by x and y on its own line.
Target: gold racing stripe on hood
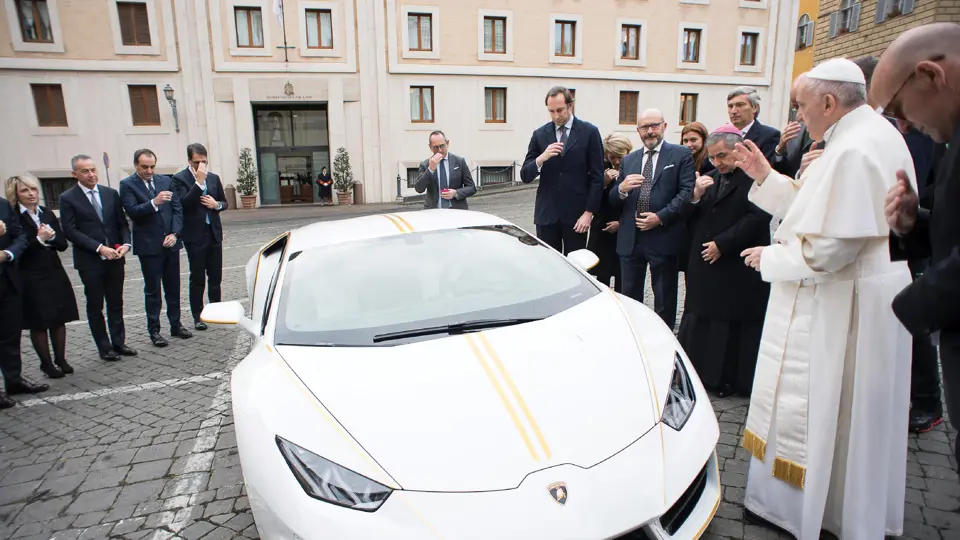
pixel 471 340
pixel 405 222
pixel 395 222
pixel 516 393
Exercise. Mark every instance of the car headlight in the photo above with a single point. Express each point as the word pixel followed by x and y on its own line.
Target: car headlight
pixel 681 398
pixel 325 480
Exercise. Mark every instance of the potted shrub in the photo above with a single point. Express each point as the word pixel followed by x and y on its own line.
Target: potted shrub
pixel 247 179
pixel 343 177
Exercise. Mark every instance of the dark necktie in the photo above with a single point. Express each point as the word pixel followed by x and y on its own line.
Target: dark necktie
pixel 96 205
pixel 153 192
pixel 643 200
pixel 443 182
pixel 563 139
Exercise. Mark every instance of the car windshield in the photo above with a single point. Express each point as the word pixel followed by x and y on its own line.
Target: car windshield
pixel 348 294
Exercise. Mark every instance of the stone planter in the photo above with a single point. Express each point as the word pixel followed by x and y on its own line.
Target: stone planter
pixel 249 201
pixel 345 197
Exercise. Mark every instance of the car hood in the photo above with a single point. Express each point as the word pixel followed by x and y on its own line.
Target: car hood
pixel 479 412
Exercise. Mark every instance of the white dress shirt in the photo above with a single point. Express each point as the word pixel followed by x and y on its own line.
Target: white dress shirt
pixel 559 134
pixel 445 163
pixel 746 129
pixel 36 220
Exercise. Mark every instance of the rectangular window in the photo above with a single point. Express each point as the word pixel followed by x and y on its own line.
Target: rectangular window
pixel 421 104
pixel 565 39
pixel 748 48
pixel 420 31
pixel 412 175
pixel 34 21
pixel 249 22
pixel 48 101
pixel 134 23
pixel 630 42
pixel 691 46
pixel 319 29
pixel 53 188
pixel 688 108
pixel 495 35
pixel 628 107
pixel 144 106
pixel 496 176
pixel 496 105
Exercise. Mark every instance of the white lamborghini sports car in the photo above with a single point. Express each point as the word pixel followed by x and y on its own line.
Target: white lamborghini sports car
pixel 444 374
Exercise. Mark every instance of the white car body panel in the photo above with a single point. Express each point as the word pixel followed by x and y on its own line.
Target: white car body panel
pixel 432 419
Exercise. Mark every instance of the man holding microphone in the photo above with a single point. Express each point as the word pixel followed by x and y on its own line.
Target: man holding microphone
pixel 445 177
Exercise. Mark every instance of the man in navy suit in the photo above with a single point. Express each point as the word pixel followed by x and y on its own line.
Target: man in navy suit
pixel 92 219
pixel 567 154
pixel 157 216
pixel 202 197
pixel 655 180
pixel 743 106
pixel 13 242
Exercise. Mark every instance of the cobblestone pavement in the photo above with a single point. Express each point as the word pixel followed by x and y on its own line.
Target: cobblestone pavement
pixel 145 447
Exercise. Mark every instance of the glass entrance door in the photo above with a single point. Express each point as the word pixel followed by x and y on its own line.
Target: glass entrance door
pixel 292 148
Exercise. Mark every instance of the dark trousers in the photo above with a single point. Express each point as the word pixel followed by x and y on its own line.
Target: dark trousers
pixel 206 262
pixel 665 275
pixel 950 355
pixel 925 371
pixel 604 246
pixel 562 237
pixel 11 315
pixel 161 269
pixel 105 283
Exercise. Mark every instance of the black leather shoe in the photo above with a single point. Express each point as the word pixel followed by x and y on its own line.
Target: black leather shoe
pixel 200 325
pixel 123 350
pixel 158 340
pixel 922 422
pixel 110 356
pixel 6 402
pixel 24 386
pixel 51 370
pixel 180 332
pixel 64 366
pixel 726 390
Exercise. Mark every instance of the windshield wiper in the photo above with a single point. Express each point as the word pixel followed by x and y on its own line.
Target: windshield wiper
pixel 457 328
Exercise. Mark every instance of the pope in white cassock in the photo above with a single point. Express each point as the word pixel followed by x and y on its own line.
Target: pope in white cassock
pixel 827 425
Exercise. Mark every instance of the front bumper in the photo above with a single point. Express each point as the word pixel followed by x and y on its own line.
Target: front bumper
pixel 621 498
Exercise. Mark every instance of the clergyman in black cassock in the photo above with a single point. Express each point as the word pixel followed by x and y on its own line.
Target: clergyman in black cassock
pixel 726 301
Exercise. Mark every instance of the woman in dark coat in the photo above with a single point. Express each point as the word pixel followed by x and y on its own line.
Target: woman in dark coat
pixel 48 299
pixel 694 137
pixel 326 186
pixel 603 231
pixel 726 301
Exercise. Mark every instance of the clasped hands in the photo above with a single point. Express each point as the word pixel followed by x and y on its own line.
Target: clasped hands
pixel 646 220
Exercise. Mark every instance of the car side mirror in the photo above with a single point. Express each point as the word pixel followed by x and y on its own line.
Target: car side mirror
pixel 583 258
pixel 227 314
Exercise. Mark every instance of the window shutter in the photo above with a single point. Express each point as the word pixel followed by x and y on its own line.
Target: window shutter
pixel 855 17
pixel 907 6
pixel 40 104
pixel 144 105
pixel 57 108
pixel 152 105
pixel 141 24
pixel 833 23
pixel 811 26
pixel 881 14
pixel 127 33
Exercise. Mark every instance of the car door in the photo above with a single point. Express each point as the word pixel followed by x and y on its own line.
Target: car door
pixel 262 272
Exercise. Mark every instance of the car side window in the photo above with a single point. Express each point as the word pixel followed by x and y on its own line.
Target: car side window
pixel 264 269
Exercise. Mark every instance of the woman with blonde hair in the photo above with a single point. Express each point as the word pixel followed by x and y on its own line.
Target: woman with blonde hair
pixel 603 231
pixel 48 299
pixel 694 137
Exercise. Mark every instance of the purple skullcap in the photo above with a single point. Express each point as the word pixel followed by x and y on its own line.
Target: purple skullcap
pixel 727 128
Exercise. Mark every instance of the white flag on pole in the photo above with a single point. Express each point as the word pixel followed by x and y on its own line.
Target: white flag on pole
pixel 278 10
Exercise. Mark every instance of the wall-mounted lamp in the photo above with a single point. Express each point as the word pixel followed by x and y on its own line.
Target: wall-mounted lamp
pixel 168 93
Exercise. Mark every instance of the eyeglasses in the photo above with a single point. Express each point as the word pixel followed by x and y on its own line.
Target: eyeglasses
pixel 439 147
pixel 650 127
pixel 893 108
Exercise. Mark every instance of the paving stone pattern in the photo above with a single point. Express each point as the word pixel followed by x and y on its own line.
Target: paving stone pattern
pixel 145 448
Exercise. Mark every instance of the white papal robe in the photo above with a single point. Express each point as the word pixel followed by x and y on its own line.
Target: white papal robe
pixel 828 416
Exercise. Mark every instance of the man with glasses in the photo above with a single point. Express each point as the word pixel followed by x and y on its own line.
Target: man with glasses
pixel 566 154
pixel 831 389
pixel 916 83
pixel 655 180
pixel 445 177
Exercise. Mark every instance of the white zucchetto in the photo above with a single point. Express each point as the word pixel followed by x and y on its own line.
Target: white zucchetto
pixel 838 69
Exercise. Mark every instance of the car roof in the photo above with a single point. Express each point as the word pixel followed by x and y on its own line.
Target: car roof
pixel 325 233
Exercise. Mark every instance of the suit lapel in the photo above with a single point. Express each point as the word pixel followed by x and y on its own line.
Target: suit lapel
pixel 573 136
pixel 25 219
pixel 661 163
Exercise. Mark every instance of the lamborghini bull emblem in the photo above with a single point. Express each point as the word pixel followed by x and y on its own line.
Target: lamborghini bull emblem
pixel 558 491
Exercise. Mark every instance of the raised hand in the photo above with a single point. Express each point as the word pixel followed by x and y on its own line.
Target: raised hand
pixel 162 197
pixel 435 161
pixel 632 181
pixel 703 182
pixel 807 159
pixel 789 133
pixel 900 205
pixel 552 150
pixel 752 161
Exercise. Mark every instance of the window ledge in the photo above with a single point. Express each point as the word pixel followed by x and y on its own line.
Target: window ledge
pixel 148 130
pixel 251 51
pixel 495 126
pixel 421 126
pixel 54 131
